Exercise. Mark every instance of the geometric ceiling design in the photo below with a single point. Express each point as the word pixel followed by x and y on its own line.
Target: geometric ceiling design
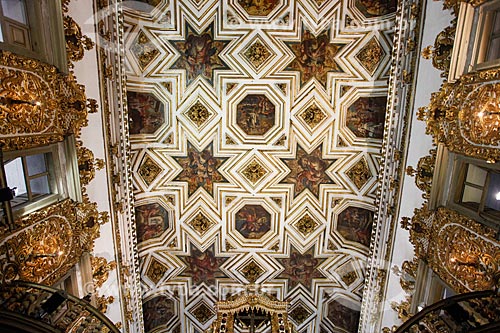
pixel 255 129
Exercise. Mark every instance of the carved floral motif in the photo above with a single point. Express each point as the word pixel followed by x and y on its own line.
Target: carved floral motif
pixel 45 252
pixel 38 104
pixel 463 116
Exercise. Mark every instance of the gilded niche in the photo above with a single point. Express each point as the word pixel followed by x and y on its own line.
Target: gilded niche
pixel 45 252
pixel 38 104
pixel 464 115
pixel 461 251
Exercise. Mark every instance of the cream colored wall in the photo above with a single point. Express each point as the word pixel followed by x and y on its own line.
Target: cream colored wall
pixel 428 80
pixel 86 72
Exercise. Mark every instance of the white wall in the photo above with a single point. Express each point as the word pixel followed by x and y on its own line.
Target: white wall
pixel 428 81
pixel 86 72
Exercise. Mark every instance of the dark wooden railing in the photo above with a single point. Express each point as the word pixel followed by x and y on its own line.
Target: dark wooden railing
pixel 52 308
pixel 471 312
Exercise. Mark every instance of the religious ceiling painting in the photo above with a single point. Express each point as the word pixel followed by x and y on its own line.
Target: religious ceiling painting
pixel 255 114
pixel 344 314
pixel 200 169
pixel 158 311
pixel 151 220
pixel 355 224
pixel 203 266
pixel 256 130
pixel 365 117
pixel 146 113
pixel 308 171
pixel 373 8
pixel 314 56
pixel 253 221
pixel 301 268
pixel 199 54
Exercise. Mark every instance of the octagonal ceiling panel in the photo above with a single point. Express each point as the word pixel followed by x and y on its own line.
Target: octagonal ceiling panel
pixel 256 130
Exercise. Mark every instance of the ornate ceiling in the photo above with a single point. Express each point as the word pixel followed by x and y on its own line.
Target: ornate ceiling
pixel 255 130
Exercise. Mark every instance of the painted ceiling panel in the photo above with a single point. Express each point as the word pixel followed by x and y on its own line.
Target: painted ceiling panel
pixel 256 129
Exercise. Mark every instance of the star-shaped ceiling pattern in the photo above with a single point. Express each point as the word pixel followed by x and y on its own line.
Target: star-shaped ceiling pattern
pixel 255 132
pixel 314 57
pixel 308 171
pixel 301 268
pixel 199 54
pixel 200 169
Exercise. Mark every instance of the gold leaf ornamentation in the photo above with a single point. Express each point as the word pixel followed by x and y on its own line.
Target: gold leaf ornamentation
pixel 201 224
pixel 462 116
pixel 371 55
pixel 306 225
pixel 198 114
pixel 251 271
pixel 38 104
pixel 257 54
pixel 76 42
pixel 100 270
pixel 360 173
pixel 46 252
pixel 149 170
pixel 156 271
pixel 254 172
pixel 313 116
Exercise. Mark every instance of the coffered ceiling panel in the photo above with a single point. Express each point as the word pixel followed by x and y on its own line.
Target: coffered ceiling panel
pixel 256 129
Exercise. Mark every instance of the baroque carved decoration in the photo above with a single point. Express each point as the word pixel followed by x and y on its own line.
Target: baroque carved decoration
pixel 371 55
pixel 87 164
pixel 198 114
pixel 251 271
pixel 313 116
pixel 360 173
pixel 44 253
pixel 441 52
pixel 463 115
pixel 254 171
pixel 424 173
pixel 100 270
pixel 149 170
pixel 76 42
pixel 461 251
pixel 38 104
pixel 252 299
pixel 201 224
pixel 30 300
pixel 258 54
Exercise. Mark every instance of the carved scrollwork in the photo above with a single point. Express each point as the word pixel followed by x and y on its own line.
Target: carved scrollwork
pixel 87 164
pixel 100 270
pixel 441 52
pixel 44 253
pixel 461 251
pixel 424 173
pixel 38 104
pixel 464 253
pixel 76 42
pixel 464 115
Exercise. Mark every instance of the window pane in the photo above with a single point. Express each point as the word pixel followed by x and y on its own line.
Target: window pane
pixel 36 164
pixel 496 23
pixel 493 49
pixel 493 196
pixel 40 186
pixel 15 176
pixel 476 175
pixel 471 194
pixel 15 10
pixel 1 34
